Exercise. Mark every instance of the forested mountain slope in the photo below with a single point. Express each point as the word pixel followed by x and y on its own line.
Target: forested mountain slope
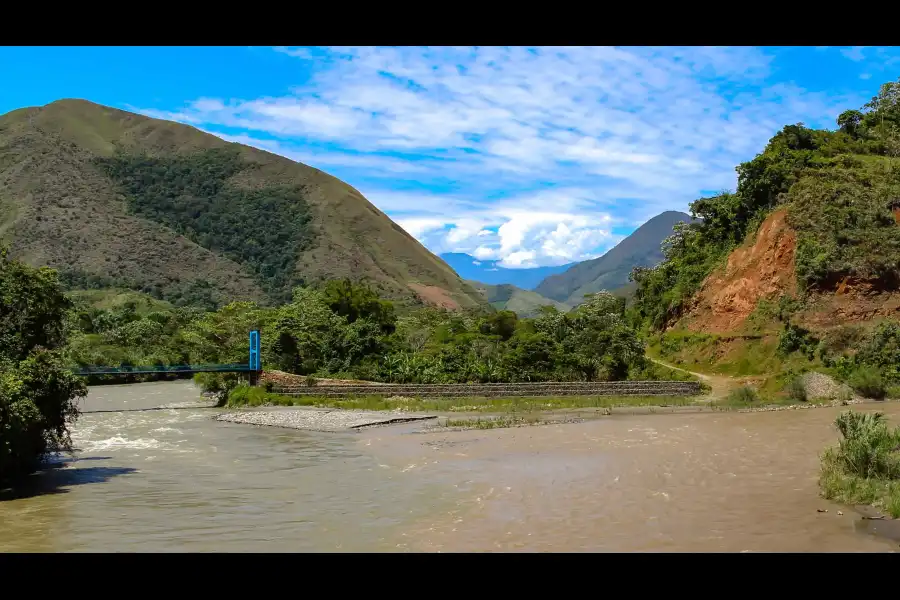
pixel 115 199
pixel 799 268
pixel 610 272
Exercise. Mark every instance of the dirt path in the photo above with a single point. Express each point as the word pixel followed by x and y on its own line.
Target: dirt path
pixel 719 385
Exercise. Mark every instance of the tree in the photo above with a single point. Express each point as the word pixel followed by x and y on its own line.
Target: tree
pixel 359 302
pixel 849 122
pixel 37 394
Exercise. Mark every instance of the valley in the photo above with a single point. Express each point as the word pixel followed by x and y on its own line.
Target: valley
pixel 131 241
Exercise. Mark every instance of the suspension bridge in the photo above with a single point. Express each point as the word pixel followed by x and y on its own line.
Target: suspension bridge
pixel 253 366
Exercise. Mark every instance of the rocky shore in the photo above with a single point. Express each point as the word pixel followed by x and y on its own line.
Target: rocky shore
pixel 313 419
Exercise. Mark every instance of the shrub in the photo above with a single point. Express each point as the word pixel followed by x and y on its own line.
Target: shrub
pixel 38 395
pixel 743 395
pixel 797 390
pixel 868 446
pixel 246 395
pixel 868 382
pixel 844 395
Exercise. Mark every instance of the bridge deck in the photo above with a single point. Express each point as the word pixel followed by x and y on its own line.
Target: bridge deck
pixel 146 370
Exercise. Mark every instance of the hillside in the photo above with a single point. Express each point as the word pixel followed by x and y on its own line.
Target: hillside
pixel 115 199
pixel 524 303
pixel 610 272
pixel 798 268
pixel 491 273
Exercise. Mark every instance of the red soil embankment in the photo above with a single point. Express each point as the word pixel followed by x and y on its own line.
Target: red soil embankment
pixel 763 270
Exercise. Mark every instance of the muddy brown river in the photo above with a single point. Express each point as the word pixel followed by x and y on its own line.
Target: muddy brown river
pixel 173 479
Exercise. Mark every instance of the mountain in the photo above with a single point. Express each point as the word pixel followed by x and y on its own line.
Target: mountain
pixel 489 271
pixel 524 303
pixel 115 199
pixel 610 271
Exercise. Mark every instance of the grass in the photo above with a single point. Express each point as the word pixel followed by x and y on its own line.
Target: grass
pixel 746 397
pixel 868 382
pixel 864 468
pixel 249 396
pixel 493 422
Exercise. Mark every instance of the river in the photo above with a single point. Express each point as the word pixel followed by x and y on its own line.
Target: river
pixel 173 479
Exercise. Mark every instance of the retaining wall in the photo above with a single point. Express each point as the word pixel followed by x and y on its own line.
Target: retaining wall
pixel 593 388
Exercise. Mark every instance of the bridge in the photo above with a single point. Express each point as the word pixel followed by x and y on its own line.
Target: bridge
pixel 253 366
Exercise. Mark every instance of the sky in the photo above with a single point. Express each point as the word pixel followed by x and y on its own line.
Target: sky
pixel 529 156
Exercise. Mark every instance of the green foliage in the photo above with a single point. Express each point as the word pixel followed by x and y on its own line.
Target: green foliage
pixel 37 395
pixel 743 395
pixel 870 359
pixel 797 390
pixel 882 350
pixel 845 225
pixel 864 467
pixel 264 229
pixel 32 309
pixel 794 338
pixel 328 333
pixel 355 302
pixel 839 191
pixel 868 382
pixel 868 447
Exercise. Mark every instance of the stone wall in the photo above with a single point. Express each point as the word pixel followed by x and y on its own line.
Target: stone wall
pixel 593 388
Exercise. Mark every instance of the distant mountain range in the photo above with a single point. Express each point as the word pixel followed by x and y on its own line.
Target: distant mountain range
pixel 491 273
pixel 525 290
pixel 524 303
pixel 610 272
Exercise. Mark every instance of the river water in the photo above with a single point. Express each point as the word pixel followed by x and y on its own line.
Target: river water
pixel 173 479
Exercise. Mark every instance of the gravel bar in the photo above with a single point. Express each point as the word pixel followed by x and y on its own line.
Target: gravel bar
pixel 310 419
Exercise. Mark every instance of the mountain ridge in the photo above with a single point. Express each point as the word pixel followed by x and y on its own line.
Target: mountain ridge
pixel 525 303
pixel 66 202
pixel 491 273
pixel 610 271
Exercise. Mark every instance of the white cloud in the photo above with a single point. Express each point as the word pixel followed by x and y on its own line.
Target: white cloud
pixel 854 53
pixel 528 156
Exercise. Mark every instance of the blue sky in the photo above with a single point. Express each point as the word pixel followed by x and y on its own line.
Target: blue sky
pixel 530 156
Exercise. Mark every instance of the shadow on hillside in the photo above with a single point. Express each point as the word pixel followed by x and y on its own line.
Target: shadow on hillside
pixel 56 479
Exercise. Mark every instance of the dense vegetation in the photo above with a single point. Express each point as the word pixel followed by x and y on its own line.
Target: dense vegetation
pixel 117 200
pixel 864 468
pixel 524 303
pixel 37 394
pixel 262 228
pixel 343 330
pixel 841 193
pixel 839 188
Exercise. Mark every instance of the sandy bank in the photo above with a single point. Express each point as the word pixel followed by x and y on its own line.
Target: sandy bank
pixel 312 419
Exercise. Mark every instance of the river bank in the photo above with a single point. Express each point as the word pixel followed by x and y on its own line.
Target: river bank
pixel 336 415
pixel 152 473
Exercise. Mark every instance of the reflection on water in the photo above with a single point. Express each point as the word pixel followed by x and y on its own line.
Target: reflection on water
pixel 176 480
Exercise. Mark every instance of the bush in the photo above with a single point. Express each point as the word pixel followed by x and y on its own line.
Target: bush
pixel 743 395
pixel 868 446
pixel 868 382
pixel 797 390
pixel 38 395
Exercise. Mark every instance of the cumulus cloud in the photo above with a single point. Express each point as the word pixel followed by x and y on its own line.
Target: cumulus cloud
pixel 530 156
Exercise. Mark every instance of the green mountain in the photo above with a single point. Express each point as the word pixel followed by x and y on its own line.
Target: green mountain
pixel 610 271
pixel 117 200
pixel 524 303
